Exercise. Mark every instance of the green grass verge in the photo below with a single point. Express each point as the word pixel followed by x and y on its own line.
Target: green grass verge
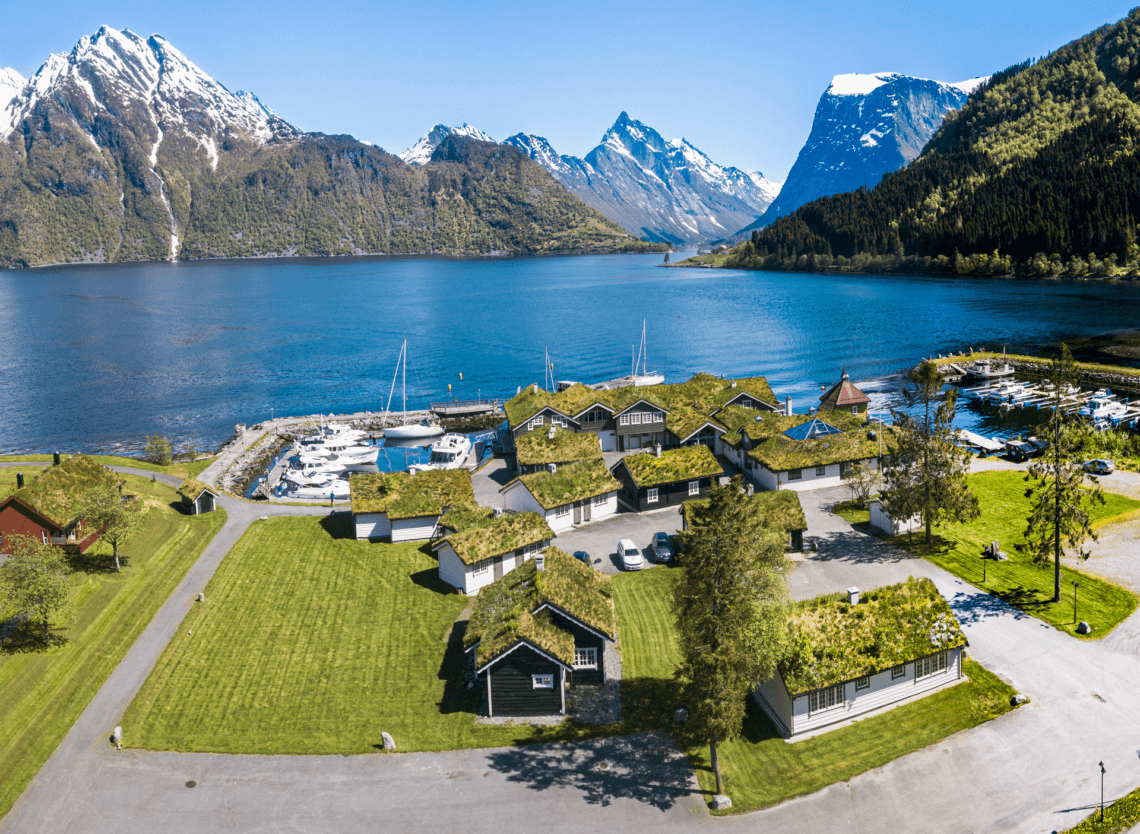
pixel 851 513
pixel 1119 817
pixel 42 693
pixel 957 548
pixel 179 470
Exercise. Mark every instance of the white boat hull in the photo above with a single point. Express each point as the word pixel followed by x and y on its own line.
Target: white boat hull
pixel 412 431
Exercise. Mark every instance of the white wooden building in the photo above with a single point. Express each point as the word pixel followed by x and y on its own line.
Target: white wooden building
pixel 881 519
pixel 402 507
pixel 931 661
pixel 566 496
pixel 477 557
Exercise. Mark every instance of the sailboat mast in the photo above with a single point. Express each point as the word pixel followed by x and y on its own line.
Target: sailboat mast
pixel 644 350
pixel 404 384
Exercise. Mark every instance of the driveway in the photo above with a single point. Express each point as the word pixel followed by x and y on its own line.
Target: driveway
pixel 600 538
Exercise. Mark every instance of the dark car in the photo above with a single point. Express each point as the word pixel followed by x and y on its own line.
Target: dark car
pixel 662 548
pixel 584 557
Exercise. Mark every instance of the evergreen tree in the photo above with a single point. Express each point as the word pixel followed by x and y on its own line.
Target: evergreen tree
pixel 731 610
pixel 926 474
pixel 1061 498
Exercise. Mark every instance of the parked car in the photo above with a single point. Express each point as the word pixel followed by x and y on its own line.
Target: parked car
pixel 631 558
pixel 662 549
pixel 1100 466
pixel 584 557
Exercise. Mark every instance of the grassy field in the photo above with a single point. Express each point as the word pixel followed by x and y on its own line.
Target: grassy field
pixel 178 470
pixel 957 548
pixel 852 514
pixel 43 692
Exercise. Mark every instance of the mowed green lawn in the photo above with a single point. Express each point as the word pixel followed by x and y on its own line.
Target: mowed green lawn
pixel 43 692
pixel 957 548
pixel 179 470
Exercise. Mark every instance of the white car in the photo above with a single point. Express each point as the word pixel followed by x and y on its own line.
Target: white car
pixel 631 558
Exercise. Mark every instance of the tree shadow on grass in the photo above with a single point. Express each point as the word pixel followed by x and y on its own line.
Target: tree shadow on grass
pixel 94 564
pixel 27 637
pixel 338 525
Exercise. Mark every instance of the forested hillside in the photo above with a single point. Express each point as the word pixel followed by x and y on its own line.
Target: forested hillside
pixel 1038 173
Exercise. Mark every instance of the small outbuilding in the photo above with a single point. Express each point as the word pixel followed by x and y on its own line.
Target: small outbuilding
pixel 482 554
pixel 844 396
pixel 533 634
pixel 197 498
pixel 656 479
pixel 405 507
pixel 881 519
pixel 566 496
pixel 858 652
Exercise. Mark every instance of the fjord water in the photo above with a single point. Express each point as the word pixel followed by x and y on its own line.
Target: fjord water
pixel 95 357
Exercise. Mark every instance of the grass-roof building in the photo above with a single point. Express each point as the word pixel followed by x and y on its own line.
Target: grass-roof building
pixel 49 508
pixel 488 551
pixel 197 498
pixel 803 451
pixel 402 507
pixel 546 626
pixel 537 451
pixel 631 418
pixel 651 481
pixel 860 652
pixel 779 509
pixel 566 496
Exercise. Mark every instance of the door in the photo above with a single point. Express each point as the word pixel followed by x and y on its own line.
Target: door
pixel 577 512
pixel 498 567
pixel 608 440
pixel 586 509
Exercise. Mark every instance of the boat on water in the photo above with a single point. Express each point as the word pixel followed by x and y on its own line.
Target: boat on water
pixel 344 451
pixel 1103 406
pixel 449 452
pixel 1010 393
pixel 424 428
pixel 988 368
pixel 337 488
pixel 639 376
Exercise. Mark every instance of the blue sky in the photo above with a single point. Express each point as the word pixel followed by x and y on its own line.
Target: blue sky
pixel 739 79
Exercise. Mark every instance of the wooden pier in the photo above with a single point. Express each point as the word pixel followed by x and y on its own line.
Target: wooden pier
pixel 464 408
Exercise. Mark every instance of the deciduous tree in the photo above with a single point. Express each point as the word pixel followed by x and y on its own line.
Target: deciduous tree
pixel 116 518
pixel 863 481
pixel 1058 487
pixel 33 582
pixel 158 450
pixel 731 610
pixel 926 474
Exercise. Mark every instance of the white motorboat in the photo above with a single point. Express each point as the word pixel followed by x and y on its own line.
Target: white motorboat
pixel 1010 393
pixel 424 428
pixel 449 452
pixel 988 368
pixel 307 478
pixel 340 450
pixel 336 487
pixel 1103 408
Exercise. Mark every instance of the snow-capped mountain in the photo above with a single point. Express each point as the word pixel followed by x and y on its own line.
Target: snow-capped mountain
pixel 11 82
pixel 660 190
pixel 420 153
pixel 865 126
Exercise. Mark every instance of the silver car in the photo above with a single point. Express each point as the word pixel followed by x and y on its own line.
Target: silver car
pixel 631 558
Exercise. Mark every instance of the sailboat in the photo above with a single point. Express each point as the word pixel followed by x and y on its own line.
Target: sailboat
pixel 424 428
pixel 635 378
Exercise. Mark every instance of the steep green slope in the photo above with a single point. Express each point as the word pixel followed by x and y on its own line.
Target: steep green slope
pixel 1039 172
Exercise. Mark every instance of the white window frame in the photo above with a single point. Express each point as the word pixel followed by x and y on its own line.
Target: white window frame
pixel 795 474
pixel 821 471
pixel 542 681
pixel 635 418
pixel 481 568
pixel 898 671
pixel 827 698
pixel 563 510
pixel 623 420
pixel 854 409
pixel 694 487
pixel 599 500
pixel 932 664
pixel 45 535
pixel 586 658
pixel 863 682
pixel 651 495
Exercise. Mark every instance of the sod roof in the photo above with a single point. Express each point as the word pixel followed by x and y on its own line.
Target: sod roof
pixel 836 642
pixel 501 535
pixel 572 482
pixel 191 489
pixel 535 448
pixel 503 611
pixel 463 517
pixel 401 495
pixel 778 508
pixel 703 393
pixel 58 492
pixel 682 464
pixel 770 446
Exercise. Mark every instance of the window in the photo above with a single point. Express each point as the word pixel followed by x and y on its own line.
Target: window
pixel 623 420
pixel 530 550
pixel 45 535
pixel 481 568
pixel 863 683
pixel 929 665
pixel 542 681
pixel 854 409
pixel 585 658
pixel 657 417
pixel 651 495
pixel 694 487
pixel 795 474
pixel 845 468
pixel 599 500
pixel 898 671
pixel 635 419
pixel 820 471
pixel 827 698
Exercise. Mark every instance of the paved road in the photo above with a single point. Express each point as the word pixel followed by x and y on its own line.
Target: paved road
pixel 1032 770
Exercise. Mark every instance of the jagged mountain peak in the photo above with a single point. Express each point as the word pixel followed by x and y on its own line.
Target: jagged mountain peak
pixel 420 153
pixel 11 82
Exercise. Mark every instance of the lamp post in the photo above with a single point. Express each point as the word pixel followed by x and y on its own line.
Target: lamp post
pixel 984 568
pixel 1075 586
pixel 1101 791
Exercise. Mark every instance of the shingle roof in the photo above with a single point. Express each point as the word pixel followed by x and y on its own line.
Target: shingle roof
pixel 842 394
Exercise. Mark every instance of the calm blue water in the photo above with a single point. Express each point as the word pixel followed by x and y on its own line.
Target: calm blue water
pixel 95 357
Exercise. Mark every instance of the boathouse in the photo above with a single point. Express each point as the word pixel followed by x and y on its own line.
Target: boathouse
pixel 546 627
pixel 197 498
pixel 866 651
pixel 478 556
pixel 566 496
pixel 404 507
pixel 666 478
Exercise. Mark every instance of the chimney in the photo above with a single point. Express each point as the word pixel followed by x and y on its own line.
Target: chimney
pixel 497 512
pixel 787 406
pixel 733 384
pixel 550 432
pixel 540 560
pixel 811 411
pixel 853 596
pixel 411 471
pixel 19 480
pixel 657 449
pixel 534 388
pixel 55 459
pixel 750 491
pixel 552 468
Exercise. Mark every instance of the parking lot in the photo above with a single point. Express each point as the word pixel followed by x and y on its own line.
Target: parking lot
pixel 601 538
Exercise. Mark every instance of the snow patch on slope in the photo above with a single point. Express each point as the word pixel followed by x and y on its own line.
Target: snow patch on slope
pixel 970 85
pixel 856 84
pixel 420 153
